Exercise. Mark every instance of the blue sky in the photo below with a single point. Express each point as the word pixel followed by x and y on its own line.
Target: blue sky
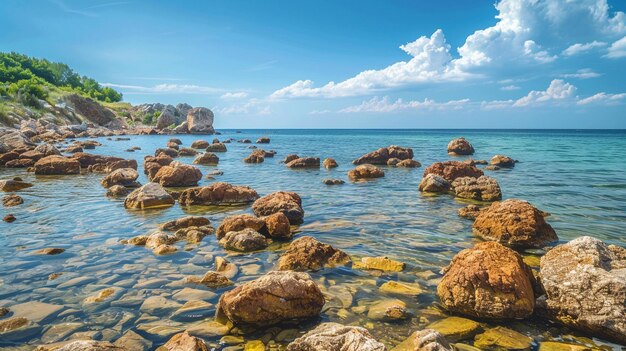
pixel 345 64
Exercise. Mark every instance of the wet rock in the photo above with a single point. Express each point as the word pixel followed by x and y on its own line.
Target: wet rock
pixel 17 328
pixel 561 346
pixel 399 288
pixel 382 155
pixel 330 163
pixel 276 297
pixel 306 253
pixel 194 235
pixel 101 296
pixel 185 222
pixel 20 163
pixel 9 218
pixel 304 162
pixel 4 311
pixel 156 305
pixel 365 171
pixel 482 188
pixel 49 251
pixel 11 185
pixel 200 144
pixel 460 146
pixel 488 281
pixel 32 154
pixel 502 161
pixel 290 158
pixel 218 194
pixel 225 267
pixel 164 249
pixel 388 310
pixel 151 195
pixel 379 263
pixel 177 174
pixel 124 176
pixel 200 121
pixel 514 223
pixel 36 311
pixel 207 158
pixel 152 164
pixel 133 341
pixel 263 140
pixel 245 240
pixel 211 279
pixel 492 168
pixel 175 141
pixel 8 156
pixel 277 227
pixel 336 337
pixel 470 211
pixel 184 342
pixel 193 310
pixel 254 157
pixel 86 345
pixel 456 328
pixel 333 181
pixel 57 165
pixel 47 149
pixel 239 222
pixel 185 151
pixel 118 191
pixel 432 183
pixel 500 338
pixel 408 164
pixel 450 170
pixel 585 287
pixel 425 340
pixel 167 152
pixel 216 147
pixel 289 203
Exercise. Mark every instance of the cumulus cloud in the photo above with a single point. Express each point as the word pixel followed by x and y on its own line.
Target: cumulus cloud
pixel 558 90
pixel 250 107
pixel 165 89
pixel 617 49
pixel 602 99
pixel 584 73
pixel 579 48
pixel 234 95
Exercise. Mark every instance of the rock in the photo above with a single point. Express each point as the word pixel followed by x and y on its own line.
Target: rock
pixel 254 157
pixel 175 141
pixel 263 140
pixel 561 346
pixel 133 341
pixel 585 287
pixel 118 191
pixel 379 263
pixel 218 147
pixel 11 185
pixel 388 310
pixel 9 156
pixel 57 165
pixel 194 235
pixel 514 223
pixel 306 253
pixel 10 218
pixel 290 158
pixel 399 288
pixel 460 146
pixel 277 227
pixel 276 297
pixel 239 222
pixel 47 149
pixel 330 163
pixel 167 117
pixel 245 240
pixel 488 281
pixel 84 345
pixel 456 328
pixel 408 163
pixel 151 195
pixel 432 183
pixel 365 171
pixel 200 121
pixel 32 154
pixel 36 311
pixel 49 251
pixel 14 140
pixel 101 296
pixel 333 181
pixel 228 269
pixel 12 200
pixel 304 162
pixel 382 155
pixel 469 211
pixel 502 161
pixel 185 222
pixel 289 203
pixel 336 337
pixel 124 176
pixel 483 188
pixel 166 151
pixel 425 340
pixel 164 250
pixel 212 280
pixel 177 174
pixel 218 194
pixel 152 165
pixel 200 144
pixel 450 170
pixel 72 149
pixel 207 158
pixel 194 310
pixel 91 110
pixel 500 338
pixel 156 305
pixel 17 328
pixel 20 163
pixel 392 162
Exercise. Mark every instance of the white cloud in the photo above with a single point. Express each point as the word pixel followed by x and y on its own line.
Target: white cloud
pixel 510 87
pixel 252 106
pixel 603 99
pixel 165 89
pixel 617 49
pixel 582 48
pixel 234 95
pixel 384 105
pixel 584 73
pixel 558 91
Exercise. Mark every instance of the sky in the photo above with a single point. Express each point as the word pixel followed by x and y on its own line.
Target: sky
pixel 345 63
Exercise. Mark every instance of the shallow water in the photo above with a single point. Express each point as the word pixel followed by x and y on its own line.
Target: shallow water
pixel 577 176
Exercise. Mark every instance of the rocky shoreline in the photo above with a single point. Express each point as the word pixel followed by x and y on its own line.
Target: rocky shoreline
pixel 580 284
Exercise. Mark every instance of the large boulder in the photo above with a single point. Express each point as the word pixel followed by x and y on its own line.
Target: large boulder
pixel 57 165
pixel 151 165
pixel 365 171
pixel 289 203
pixel 200 121
pixel 207 158
pixel 277 227
pixel 460 146
pixel 585 287
pixel 382 155
pixel 151 195
pixel 184 342
pixel 123 176
pixel 483 188
pixel 276 297
pixel 11 139
pixel 177 174
pixel 450 170
pixel 336 337
pixel 167 117
pixel 432 183
pixel 514 223
pixel 89 109
pixel 47 149
pixel 218 194
pixel 305 162
pixel 488 281
pixel 306 253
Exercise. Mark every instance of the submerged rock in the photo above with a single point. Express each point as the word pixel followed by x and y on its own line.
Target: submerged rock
pixel 289 203
pixel 379 263
pixel 304 162
pixel 11 185
pixel 450 170
pixel 218 194
pixel 382 155
pixel 470 211
pixel 306 253
pixel 12 200
pixel 330 163
pixel 85 345
pixel 514 223
pixel 488 281
pixel 365 171
pixel 254 157
pixel 460 146
pixel 456 328
pixel 502 161
pixel 336 337
pixel 408 164
pixel 585 287
pixel 184 342
pixel 388 310
pixel 49 251
pixel 212 280
pixel 425 340
pixel 483 188
pixel 57 165
pixel 245 240
pixel 333 181
pixel 151 195
pixel 400 288
pixel 276 297
pixel 500 338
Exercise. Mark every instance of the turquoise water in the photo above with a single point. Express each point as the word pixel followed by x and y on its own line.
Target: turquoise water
pixel 577 176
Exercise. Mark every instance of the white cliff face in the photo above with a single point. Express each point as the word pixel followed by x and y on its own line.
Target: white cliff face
pixel 200 121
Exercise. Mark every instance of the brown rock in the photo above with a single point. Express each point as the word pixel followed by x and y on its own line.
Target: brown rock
pixel 12 200
pixel 290 158
pixel 289 203
pixel 184 342
pixel 469 211
pixel 118 191
pixel 57 165
pixel 86 345
pixel 32 154
pixel 151 195
pixel 185 151
pixel 177 174
pixel 218 194
pixel 514 223
pixel 123 176
pixel 330 163
pixel 245 240
pixel 502 161
pixel 365 171
pixel 185 222
pixel 263 140
pixel 207 158
pixel 382 155
pixel 304 162
pixel 488 281
pixel 9 218
pixel 239 222
pixel 432 183
pixel 175 141
pixel 152 164
pixel 460 146
pixel 212 280
pixel 200 144
pixel 166 151
pixel 49 251
pixel 276 297
pixel 277 227
pixel 425 340
pixel 217 147
pixel 333 181
pixel 47 149
pixel 450 170
pixel 254 158
pixel 306 253
pixel 11 185
pixel 408 164
pixel 8 156
pixel 483 188
pixel 20 163
pixel 336 337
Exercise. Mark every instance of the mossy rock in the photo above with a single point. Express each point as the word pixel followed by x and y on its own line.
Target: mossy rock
pixel 399 288
pixel 561 346
pixel 501 338
pixel 456 328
